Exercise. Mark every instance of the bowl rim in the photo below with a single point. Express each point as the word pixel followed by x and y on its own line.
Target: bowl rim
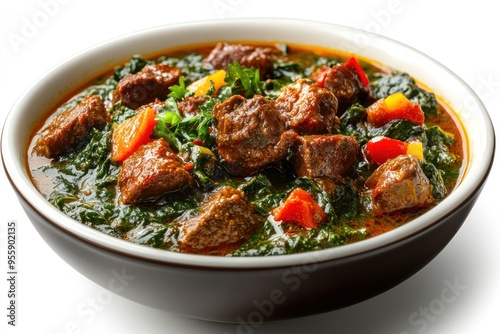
pixel 466 190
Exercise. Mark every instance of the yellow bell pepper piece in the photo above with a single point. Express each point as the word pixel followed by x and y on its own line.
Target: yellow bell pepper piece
pixel 204 150
pixel 396 101
pixel 200 87
pixel 415 148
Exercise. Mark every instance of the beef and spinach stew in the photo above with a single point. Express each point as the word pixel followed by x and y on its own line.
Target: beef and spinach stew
pixel 244 149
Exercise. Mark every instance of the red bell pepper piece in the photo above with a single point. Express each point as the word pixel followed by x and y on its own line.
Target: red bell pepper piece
pixel 354 65
pixel 380 149
pixel 395 106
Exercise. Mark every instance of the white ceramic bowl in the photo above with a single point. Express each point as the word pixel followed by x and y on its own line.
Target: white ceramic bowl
pixel 268 288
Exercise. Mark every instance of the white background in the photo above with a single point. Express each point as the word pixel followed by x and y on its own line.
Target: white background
pixel 50 292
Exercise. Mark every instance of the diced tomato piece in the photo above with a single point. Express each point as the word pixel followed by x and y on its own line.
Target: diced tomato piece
pixel 131 134
pixel 354 65
pixel 300 208
pixel 395 106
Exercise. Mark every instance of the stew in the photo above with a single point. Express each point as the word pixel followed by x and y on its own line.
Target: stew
pixel 247 150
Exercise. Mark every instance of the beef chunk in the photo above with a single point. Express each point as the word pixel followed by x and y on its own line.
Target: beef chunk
pixel 150 172
pixel 249 56
pixel 226 220
pixel 250 134
pixel 157 105
pixel 308 108
pixel 143 87
pixel 68 128
pixel 324 155
pixel 344 84
pixel 191 105
pixel 398 184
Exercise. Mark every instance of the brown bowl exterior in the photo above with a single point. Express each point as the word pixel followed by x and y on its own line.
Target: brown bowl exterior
pixel 257 294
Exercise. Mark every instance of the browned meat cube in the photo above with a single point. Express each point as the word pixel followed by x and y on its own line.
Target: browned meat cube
pixel 67 129
pixel 344 84
pixel 249 56
pixel 150 172
pixel 143 87
pixel 191 105
pixel 157 105
pixel 324 155
pixel 251 134
pixel 308 108
pixel 398 184
pixel 226 220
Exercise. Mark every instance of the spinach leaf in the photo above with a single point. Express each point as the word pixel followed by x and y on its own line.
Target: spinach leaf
pixel 120 113
pixel 191 66
pixel 387 84
pixel 436 151
pixel 353 122
pixel 279 239
pixel 287 71
pixel 284 73
pixel 435 176
pixel 134 65
pixel 207 166
pixel 400 130
pixel 151 235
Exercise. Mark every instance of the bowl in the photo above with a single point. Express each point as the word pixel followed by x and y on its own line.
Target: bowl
pixel 256 289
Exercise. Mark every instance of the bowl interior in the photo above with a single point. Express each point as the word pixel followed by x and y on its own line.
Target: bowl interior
pixel 29 109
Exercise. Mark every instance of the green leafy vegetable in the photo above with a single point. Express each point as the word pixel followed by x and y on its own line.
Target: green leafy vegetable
pixel 134 65
pixel 179 131
pixel 168 119
pixel 387 84
pixel 191 66
pixel 243 80
pixel 179 92
pixel 353 122
pixel 437 150
pixel 206 165
pixel 435 176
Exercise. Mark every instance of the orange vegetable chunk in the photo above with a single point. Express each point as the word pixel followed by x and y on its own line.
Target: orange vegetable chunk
pixel 132 134
pixel 395 106
pixel 300 208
